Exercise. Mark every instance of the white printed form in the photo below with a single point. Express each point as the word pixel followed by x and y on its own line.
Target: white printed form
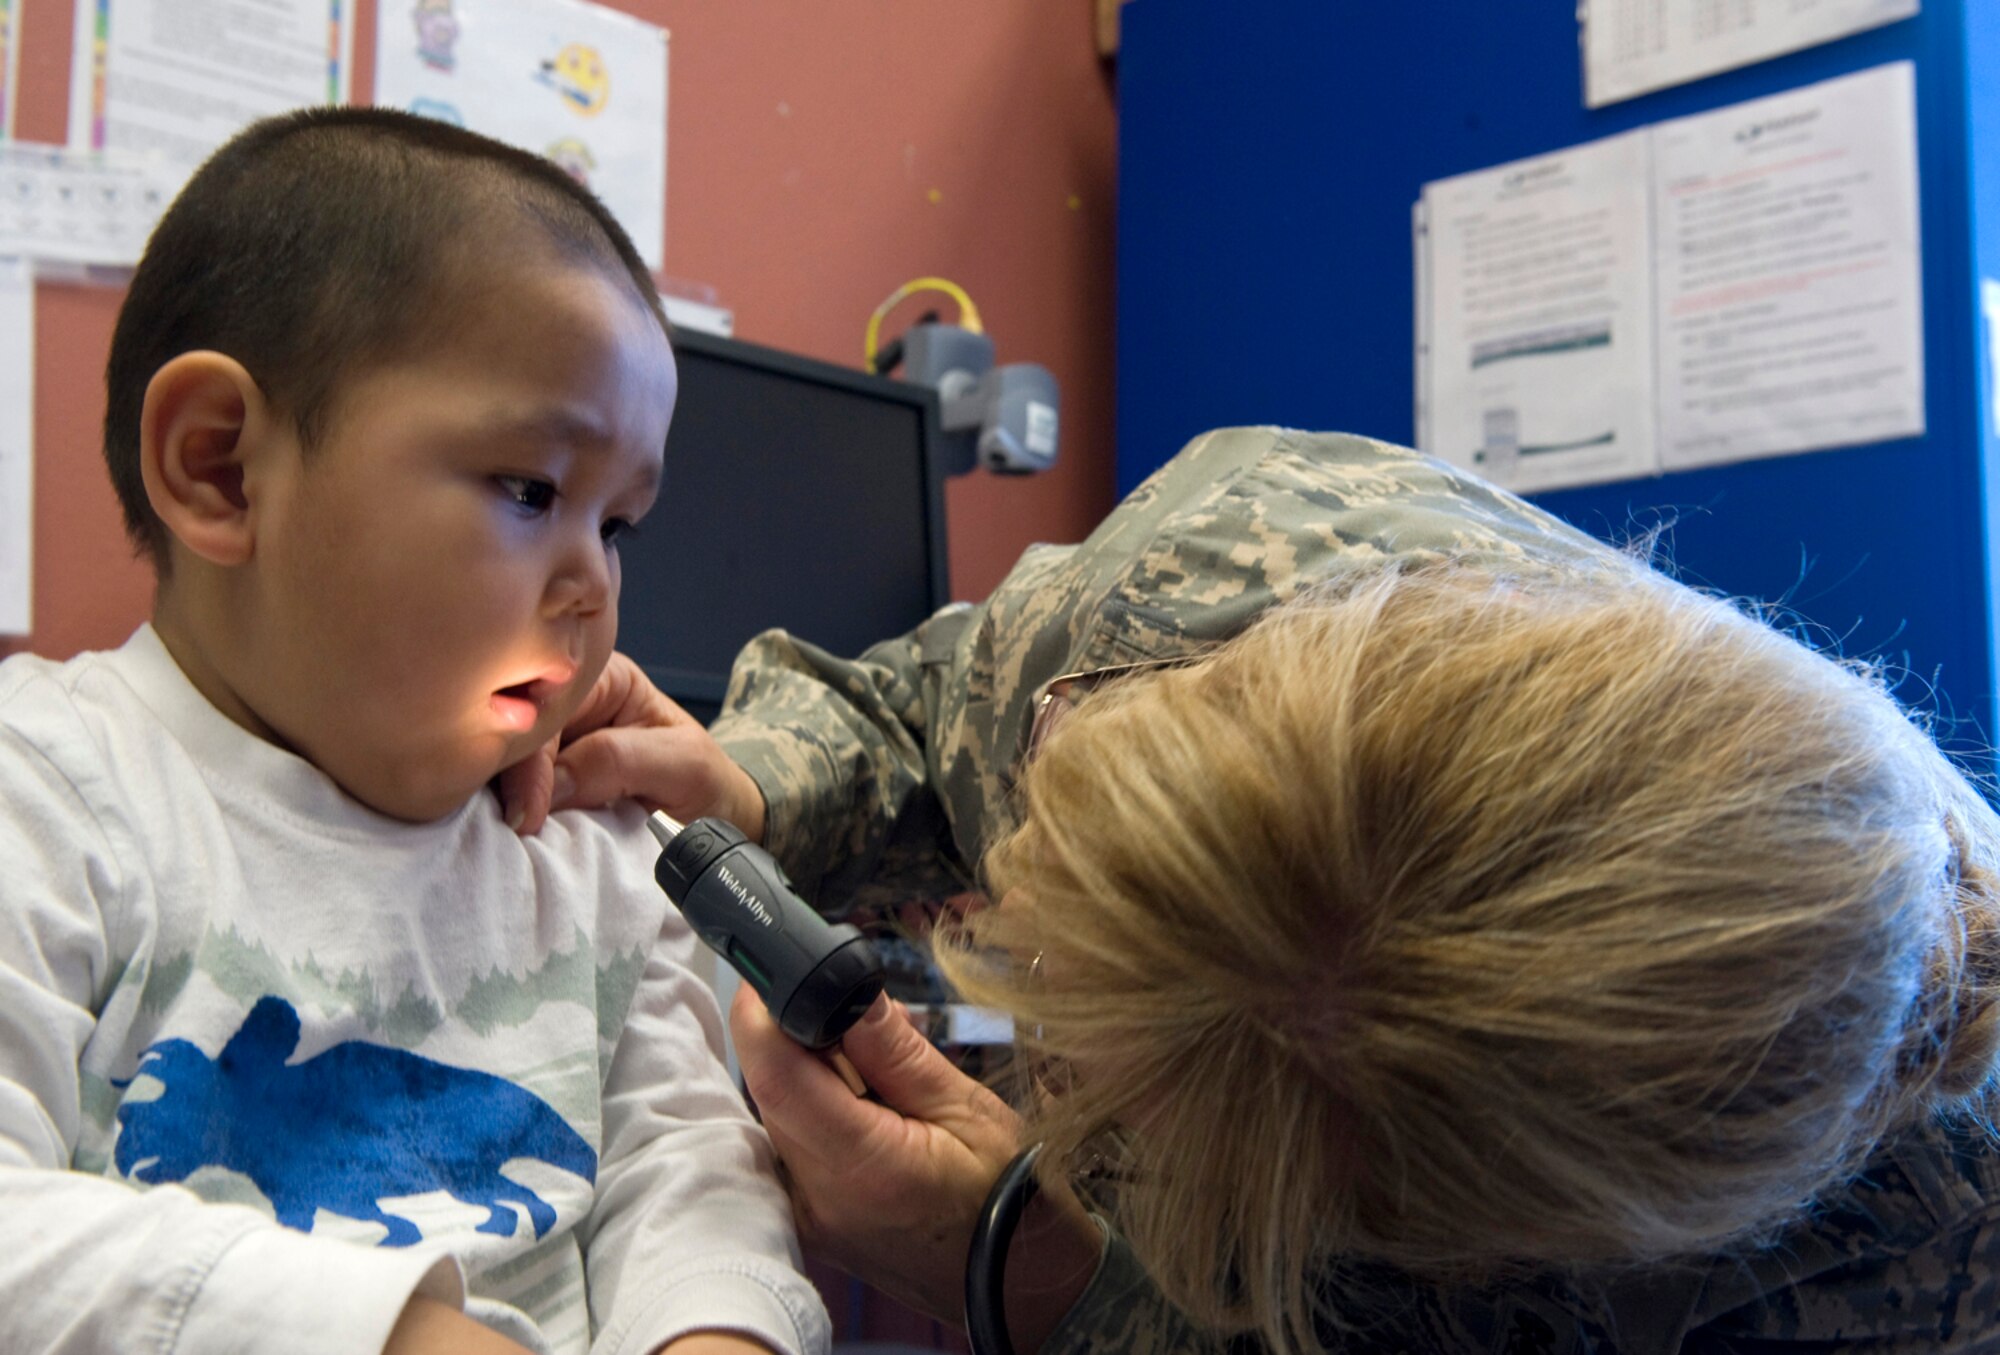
pixel 177 78
pixel 1540 336
pixel 17 437
pixel 1631 47
pixel 10 63
pixel 90 207
pixel 1790 295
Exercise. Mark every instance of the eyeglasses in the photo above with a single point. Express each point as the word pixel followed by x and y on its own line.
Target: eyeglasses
pixel 1061 694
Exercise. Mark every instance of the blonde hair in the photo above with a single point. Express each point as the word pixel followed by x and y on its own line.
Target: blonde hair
pixel 1458 922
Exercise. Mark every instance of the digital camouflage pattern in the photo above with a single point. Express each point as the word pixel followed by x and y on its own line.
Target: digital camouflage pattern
pixel 886 776
pixel 1905 1259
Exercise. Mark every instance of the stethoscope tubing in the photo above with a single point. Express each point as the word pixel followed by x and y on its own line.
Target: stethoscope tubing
pixel 986 1258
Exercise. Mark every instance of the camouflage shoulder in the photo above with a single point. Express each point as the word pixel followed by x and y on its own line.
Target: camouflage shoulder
pixel 1907 1255
pixel 1298 509
pixel 1396 500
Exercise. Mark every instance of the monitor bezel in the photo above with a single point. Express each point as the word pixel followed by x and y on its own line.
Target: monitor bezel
pixel 923 400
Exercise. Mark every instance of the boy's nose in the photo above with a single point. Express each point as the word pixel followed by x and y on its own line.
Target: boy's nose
pixel 583 582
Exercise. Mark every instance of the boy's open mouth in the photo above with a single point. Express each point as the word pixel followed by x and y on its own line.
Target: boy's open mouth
pixel 520 705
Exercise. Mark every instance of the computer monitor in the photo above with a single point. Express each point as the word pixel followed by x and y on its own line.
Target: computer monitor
pixel 797 494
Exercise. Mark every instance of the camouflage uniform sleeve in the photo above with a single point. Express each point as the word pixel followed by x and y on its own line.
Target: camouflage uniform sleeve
pixel 838 747
pixel 1241 520
pixel 887 777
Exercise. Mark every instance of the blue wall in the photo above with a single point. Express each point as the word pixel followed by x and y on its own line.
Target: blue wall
pixel 1270 153
pixel 1982 67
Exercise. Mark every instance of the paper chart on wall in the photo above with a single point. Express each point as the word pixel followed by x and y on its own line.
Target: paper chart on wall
pixel 1790 291
pixel 1420 245
pixel 10 63
pixel 1631 47
pixel 582 84
pixel 177 78
pixel 17 435
pixel 1540 318
pixel 82 207
pixel 1770 303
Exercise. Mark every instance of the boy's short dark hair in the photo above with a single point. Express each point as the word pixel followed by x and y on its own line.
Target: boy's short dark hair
pixel 318 242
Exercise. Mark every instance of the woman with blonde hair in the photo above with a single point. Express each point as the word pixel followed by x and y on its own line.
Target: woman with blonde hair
pixel 1463 923
pixel 1450 935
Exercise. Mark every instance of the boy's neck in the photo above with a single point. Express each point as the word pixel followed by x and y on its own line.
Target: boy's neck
pixel 188 637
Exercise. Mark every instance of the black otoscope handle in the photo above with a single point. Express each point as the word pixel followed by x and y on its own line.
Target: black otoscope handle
pixel 816 977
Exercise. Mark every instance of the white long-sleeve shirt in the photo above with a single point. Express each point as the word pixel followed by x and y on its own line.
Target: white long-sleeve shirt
pixel 271 1063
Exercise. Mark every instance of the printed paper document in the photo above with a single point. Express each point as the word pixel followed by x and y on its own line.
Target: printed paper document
pixel 17 435
pixel 1631 47
pixel 1742 283
pixel 177 78
pixel 1540 334
pixel 89 207
pixel 1789 288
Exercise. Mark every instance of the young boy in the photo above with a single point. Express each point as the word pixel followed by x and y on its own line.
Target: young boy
pixel 301 1047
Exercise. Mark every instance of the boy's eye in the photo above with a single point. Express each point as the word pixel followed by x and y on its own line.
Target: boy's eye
pixel 615 530
pixel 532 497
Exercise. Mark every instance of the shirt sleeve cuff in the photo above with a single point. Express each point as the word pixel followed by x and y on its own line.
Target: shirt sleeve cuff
pixel 793 832
pixel 781 1310
pixel 270 1288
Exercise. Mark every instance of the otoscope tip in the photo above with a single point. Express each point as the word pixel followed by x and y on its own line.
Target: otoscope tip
pixel 664 828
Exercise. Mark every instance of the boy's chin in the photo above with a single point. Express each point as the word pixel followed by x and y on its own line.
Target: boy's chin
pixel 414 800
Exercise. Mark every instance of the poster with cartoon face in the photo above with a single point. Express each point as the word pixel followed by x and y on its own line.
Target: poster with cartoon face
pixel 580 83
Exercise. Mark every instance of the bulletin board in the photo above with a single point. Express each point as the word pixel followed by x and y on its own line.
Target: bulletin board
pixel 1270 155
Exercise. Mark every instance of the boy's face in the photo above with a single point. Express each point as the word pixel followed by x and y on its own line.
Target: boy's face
pixel 436 582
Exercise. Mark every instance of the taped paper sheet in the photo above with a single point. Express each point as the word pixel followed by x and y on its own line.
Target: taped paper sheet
pixel 1790 293
pixel 10 63
pixel 1744 283
pixel 17 437
pixel 580 83
pixel 1540 332
pixel 86 207
pixel 177 78
pixel 1631 47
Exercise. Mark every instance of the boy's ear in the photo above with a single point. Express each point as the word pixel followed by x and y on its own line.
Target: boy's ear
pixel 198 431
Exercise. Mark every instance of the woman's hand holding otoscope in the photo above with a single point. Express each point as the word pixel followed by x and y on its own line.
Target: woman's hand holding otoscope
pixel 816 977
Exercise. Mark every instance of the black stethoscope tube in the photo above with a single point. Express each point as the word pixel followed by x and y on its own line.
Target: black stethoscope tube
pixel 986 1258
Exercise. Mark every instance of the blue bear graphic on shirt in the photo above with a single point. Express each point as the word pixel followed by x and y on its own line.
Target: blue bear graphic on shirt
pixel 343 1130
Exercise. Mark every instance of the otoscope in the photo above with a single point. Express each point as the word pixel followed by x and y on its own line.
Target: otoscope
pixel 816 977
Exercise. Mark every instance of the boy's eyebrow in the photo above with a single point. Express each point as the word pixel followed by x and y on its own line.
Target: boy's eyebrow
pixel 547 425
pixel 568 428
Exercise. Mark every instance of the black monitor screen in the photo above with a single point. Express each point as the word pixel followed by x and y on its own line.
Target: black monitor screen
pixel 797 494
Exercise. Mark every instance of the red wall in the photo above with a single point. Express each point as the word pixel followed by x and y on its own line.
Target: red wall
pixel 818 155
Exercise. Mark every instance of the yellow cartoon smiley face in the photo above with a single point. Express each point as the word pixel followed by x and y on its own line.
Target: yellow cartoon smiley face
pixel 579 75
